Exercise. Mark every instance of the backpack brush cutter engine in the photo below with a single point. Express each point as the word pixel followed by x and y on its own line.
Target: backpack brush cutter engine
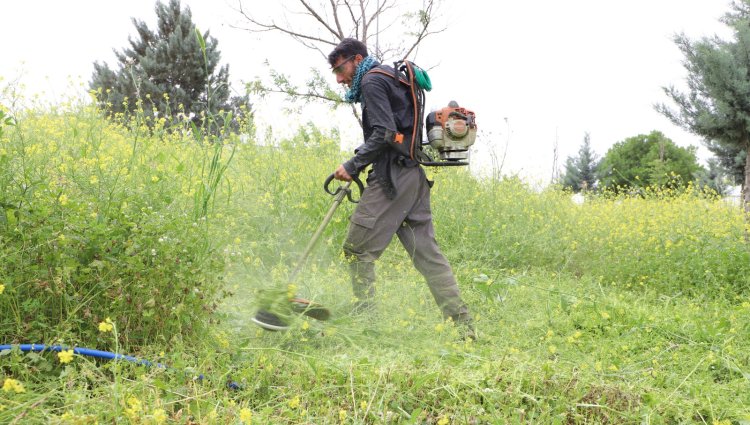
pixel 273 322
pixel 451 131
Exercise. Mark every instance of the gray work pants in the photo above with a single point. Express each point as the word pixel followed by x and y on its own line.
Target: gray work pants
pixel 373 224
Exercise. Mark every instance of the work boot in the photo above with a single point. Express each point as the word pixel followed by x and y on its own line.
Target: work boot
pixel 465 326
pixel 363 306
pixel 466 332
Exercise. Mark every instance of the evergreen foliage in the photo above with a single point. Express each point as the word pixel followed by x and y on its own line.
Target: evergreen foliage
pixel 715 177
pixel 648 160
pixel 172 70
pixel 580 171
pixel 717 103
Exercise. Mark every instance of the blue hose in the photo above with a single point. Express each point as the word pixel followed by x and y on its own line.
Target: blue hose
pixel 98 354
pixel 82 351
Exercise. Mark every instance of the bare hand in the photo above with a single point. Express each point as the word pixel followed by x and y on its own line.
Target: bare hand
pixel 341 174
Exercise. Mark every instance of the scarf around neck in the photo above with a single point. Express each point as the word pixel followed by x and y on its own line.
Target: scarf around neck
pixel 354 94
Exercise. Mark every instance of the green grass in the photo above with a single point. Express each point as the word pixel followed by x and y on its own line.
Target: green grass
pixel 622 310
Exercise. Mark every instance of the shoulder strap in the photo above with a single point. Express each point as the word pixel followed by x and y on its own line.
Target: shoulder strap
pixel 393 75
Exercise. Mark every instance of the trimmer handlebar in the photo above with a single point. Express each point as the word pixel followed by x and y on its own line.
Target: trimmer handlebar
pixel 345 187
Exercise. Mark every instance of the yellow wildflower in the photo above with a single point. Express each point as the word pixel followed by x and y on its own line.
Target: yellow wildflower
pixel 11 384
pixel 65 356
pixel 342 415
pixel 134 404
pixel 2 288
pixel 63 199
pixel 134 409
pixel 246 415
pixel 160 416
pixel 294 403
pixel 444 421
pixel 106 325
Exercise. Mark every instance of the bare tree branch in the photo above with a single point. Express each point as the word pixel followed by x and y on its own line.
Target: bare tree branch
pixel 303 95
pixel 318 18
pixel 364 21
pixel 265 27
pixel 335 9
pixel 425 19
pixel 319 25
pixel 355 21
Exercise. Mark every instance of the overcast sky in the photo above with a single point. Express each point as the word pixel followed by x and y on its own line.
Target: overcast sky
pixel 536 73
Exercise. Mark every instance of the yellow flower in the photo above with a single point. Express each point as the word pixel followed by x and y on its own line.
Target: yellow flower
pixel 65 356
pixel 342 415
pixel 11 384
pixel 134 404
pixel 154 179
pixel 63 199
pixel 246 415
pixel 2 288
pixel 106 325
pixel 305 325
pixel 294 403
pixel 444 421
pixel 93 179
pixel 160 416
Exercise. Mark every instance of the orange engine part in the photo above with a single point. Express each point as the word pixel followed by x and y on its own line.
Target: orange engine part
pixel 442 115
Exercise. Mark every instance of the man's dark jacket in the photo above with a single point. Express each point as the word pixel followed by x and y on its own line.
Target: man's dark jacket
pixel 387 108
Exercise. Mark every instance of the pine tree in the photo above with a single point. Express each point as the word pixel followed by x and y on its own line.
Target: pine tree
pixel 580 171
pixel 714 177
pixel 168 71
pixel 717 104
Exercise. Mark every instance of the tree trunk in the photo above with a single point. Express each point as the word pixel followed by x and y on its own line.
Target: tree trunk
pixel 746 187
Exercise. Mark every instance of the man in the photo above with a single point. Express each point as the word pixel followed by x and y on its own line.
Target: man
pixel 397 198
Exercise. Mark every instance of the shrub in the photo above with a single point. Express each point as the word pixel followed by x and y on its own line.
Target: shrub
pixel 101 219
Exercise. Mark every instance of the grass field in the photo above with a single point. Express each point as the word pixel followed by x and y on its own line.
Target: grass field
pixel 158 243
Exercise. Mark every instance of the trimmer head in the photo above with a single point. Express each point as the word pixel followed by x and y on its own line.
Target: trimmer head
pixel 269 321
pixel 310 309
pixel 272 322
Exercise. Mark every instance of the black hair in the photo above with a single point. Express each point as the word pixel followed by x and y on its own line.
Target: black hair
pixel 347 47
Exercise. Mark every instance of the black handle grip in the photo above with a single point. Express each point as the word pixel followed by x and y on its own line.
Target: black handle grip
pixel 355 179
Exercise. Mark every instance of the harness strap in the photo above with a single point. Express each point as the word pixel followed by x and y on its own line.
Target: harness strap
pixel 380 71
pixel 413 88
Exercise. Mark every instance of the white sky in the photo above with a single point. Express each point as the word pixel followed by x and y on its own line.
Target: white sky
pixel 555 69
